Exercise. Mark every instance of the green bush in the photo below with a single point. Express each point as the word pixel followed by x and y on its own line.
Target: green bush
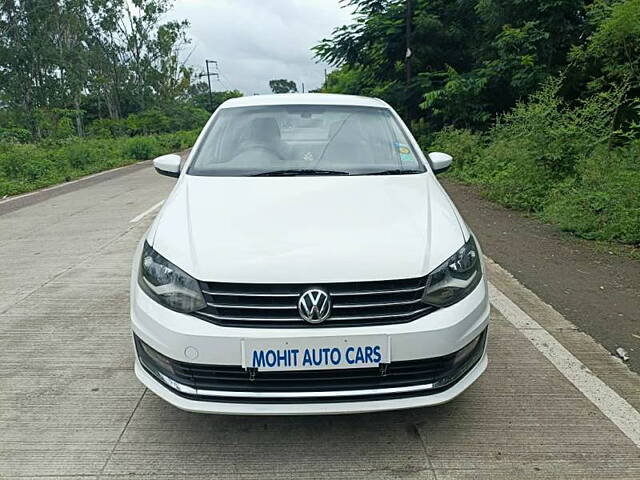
pixel 174 118
pixel 603 201
pixel 148 121
pixel 141 148
pixel 185 117
pixel 563 162
pixel 107 128
pixel 79 155
pixel 14 135
pixel 32 166
pixel 169 119
pixel 465 147
pixel 178 140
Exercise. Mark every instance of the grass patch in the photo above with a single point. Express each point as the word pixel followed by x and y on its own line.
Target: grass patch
pixel 28 167
pixel 563 163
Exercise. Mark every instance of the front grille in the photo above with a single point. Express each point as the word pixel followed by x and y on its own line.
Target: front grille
pixel 209 380
pixel 276 305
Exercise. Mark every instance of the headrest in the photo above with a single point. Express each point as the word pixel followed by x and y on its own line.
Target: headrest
pixel 264 129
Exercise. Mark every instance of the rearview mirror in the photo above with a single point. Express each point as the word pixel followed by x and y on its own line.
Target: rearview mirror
pixel 168 165
pixel 440 161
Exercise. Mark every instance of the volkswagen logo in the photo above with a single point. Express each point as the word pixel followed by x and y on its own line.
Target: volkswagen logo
pixel 314 305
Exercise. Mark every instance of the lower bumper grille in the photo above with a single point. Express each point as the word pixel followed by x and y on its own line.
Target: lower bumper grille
pixel 223 383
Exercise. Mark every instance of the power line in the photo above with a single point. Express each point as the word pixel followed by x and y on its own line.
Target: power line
pixel 226 80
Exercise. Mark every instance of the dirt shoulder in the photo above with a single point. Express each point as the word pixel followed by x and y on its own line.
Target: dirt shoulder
pixel 597 291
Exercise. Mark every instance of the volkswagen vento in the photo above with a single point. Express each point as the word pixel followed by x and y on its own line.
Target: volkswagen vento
pixel 308 261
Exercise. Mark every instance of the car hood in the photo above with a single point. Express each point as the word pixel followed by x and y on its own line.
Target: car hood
pixel 307 229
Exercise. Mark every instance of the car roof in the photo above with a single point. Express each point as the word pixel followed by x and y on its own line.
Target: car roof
pixel 304 99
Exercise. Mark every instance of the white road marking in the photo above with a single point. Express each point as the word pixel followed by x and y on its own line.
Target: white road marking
pixel 146 212
pixel 612 405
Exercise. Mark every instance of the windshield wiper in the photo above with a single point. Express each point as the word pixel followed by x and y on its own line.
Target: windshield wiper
pixel 397 171
pixel 294 172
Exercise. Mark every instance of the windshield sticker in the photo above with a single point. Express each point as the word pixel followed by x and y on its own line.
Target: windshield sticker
pixel 405 153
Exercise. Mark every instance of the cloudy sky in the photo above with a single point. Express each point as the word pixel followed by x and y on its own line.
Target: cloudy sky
pixel 255 41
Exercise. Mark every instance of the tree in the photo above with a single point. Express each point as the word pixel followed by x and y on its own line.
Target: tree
pixel 198 96
pixel 611 52
pixel 283 86
pixel 88 58
pixel 470 60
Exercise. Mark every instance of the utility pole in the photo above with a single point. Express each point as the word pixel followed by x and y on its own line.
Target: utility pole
pixel 408 54
pixel 210 74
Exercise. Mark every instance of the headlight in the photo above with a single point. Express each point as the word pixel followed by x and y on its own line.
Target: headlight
pixel 167 284
pixel 455 278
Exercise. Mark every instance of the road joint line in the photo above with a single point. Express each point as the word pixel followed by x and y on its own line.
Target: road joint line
pixel 124 429
pixel 416 427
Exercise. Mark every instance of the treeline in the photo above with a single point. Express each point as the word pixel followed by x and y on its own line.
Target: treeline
pixel 87 85
pixel 539 100
pixel 97 68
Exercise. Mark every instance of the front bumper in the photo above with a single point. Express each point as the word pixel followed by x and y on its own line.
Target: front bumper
pixel 180 336
pixel 332 408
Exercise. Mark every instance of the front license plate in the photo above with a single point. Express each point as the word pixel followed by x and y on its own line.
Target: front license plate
pixel 315 353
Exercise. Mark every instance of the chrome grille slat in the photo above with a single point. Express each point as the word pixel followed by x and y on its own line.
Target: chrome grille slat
pixel 379 304
pixel 246 319
pixel 294 307
pixel 334 294
pixel 276 305
pixel 377 292
pixel 246 294
pixel 333 317
pixel 329 320
pixel 388 315
pixel 267 307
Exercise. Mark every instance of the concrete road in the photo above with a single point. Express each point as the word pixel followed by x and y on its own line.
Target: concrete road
pixel 553 403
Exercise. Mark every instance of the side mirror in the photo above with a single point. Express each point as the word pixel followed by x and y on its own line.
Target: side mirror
pixel 440 161
pixel 168 165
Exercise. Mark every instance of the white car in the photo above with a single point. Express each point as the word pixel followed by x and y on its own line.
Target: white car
pixel 307 261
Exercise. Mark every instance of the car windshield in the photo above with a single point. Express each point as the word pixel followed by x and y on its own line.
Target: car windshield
pixel 304 140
